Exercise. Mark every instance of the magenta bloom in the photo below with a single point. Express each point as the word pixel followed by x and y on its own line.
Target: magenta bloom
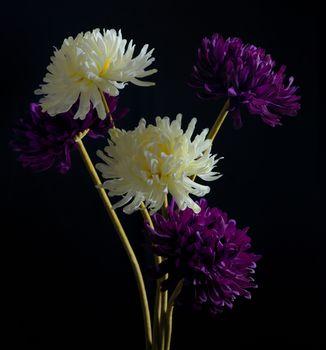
pixel 208 251
pixel 44 141
pixel 243 73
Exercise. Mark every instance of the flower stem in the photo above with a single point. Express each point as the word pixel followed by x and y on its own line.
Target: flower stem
pixel 107 109
pixel 158 299
pixel 217 125
pixel 165 206
pixel 219 121
pixel 164 294
pixel 169 314
pixel 123 237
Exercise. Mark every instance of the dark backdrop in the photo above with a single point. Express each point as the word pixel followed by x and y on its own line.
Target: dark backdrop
pixel 66 277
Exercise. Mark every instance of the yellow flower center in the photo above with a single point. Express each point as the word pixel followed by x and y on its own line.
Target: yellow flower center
pixel 163 147
pixel 105 67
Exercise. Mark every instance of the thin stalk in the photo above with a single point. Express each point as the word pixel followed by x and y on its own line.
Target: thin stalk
pixel 169 314
pixel 107 109
pixel 158 300
pixel 217 125
pixel 165 294
pixel 219 121
pixel 165 206
pixel 122 235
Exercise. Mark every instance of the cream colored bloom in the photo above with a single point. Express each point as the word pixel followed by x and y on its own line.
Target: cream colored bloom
pixel 144 164
pixel 91 63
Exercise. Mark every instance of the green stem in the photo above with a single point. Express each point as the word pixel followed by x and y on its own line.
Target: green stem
pixel 157 317
pixel 158 298
pixel 107 109
pixel 169 314
pixel 219 121
pixel 161 298
pixel 164 295
pixel 122 235
pixel 217 125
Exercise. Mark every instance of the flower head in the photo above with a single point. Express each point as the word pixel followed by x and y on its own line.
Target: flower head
pixel 44 142
pixel 208 252
pixel 88 65
pixel 243 73
pixel 146 163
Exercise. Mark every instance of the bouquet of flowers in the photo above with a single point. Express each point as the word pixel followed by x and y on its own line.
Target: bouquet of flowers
pixel 202 258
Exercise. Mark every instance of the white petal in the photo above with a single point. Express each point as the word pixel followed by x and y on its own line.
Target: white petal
pixel 84 106
pixel 96 60
pixel 145 163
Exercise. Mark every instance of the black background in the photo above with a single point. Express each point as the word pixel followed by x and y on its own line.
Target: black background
pixel 66 277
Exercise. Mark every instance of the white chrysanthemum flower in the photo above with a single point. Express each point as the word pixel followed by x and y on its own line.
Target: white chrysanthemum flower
pixel 144 164
pixel 91 64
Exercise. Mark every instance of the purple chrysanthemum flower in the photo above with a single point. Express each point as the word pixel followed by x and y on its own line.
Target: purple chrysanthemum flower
pixel 244 74
pixel 44 141
pixel 208 252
